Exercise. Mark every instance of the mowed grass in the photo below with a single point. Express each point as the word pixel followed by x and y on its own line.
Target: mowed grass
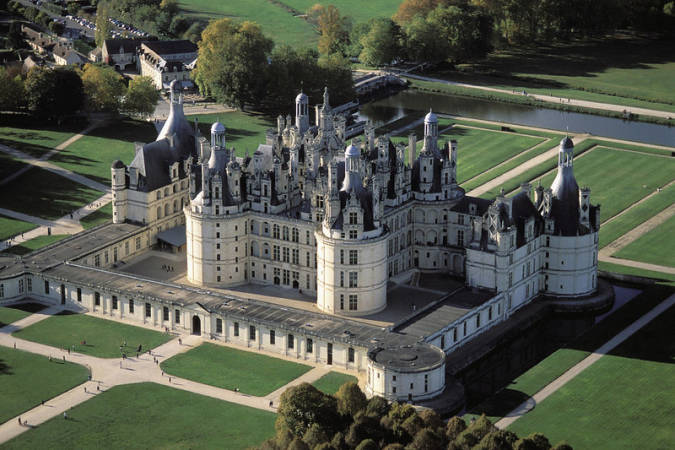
pixel 11 227
pixel 148 415
pixel 277 23
pixel 358 10
pixel 34 244
pixel 101 215
pixel 26 379
pixel 618 178
pixel 636 215
pixel 93 154
pixel 623 401
pixel 9 165
pixel 9 315
pixel 655 247
pixel 229 368
pixel 45 194
pixel 25 137
pixel 332 381
pixel 244 131
pixel 661 277
pixel 103 337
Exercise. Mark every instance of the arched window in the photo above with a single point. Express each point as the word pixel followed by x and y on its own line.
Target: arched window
pixel 175 206
pixel 275 231
pixel 295 234
pixel 285 233
pixel 159 212
pixel 166 209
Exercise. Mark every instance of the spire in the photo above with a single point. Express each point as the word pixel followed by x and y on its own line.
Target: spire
pixel 326 104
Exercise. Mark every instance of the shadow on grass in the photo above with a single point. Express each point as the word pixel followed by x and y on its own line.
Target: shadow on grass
pixel 28 307
pixel 62 158
pixel 500 404
pixel 127 130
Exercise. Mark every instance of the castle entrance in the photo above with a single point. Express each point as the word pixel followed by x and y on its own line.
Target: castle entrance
pixel 196 326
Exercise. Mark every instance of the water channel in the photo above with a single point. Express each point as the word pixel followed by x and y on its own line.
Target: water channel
pixel 415 102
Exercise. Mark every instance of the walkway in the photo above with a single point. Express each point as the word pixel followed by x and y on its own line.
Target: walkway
pixel 607 347
pixel 551 99
pixel 107 373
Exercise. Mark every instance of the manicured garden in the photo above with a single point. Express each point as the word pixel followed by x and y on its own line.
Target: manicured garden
pixel 244 131
pixel 148 415
pixel 26 379
pixel 228 368
pixel 45 194
pixel 93 154
pixel 625 399
pixel 34 244
pixel 91 335
pixel 331 382
pixel 11 227
pixel 277 23
pixel 655 247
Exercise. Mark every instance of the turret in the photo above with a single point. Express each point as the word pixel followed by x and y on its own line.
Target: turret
pixel 118 177
pixel 566 191
pixel 585 207
pixel 217 135
pixel 430 133
pixel 412 149
pixel 302 112
pixel 281 124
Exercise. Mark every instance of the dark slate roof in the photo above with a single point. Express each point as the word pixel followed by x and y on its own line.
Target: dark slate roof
pixel 171 47
pixel 565 206
pixel 462 206
pixel 113 46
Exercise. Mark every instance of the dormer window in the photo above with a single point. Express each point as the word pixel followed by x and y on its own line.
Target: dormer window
pixel 353 218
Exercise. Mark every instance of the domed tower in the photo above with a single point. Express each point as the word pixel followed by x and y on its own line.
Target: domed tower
pixel 119 188
pixel 217 135
pixel 351 246
pixel 302 112
pixel 565 191
pixel 431 133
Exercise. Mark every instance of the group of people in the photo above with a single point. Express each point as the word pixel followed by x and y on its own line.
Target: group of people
pixel 168 268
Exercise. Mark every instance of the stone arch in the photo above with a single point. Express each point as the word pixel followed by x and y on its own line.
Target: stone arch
pixel 419 237
pixel 432 238
pixel 419 215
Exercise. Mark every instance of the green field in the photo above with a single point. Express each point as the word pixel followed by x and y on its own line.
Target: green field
pixel 663 278
pixel 654 247
pixel 228 368
pixel 11 227
pixel 623 401
pixel 101 215
pixel 148 415
pixel 610 71
pixel 26 379
pixel 93 154
pixel 245 131
pixel 638 214
pixel 35 142
pixel 359 11
pixel 35 244
pixel 103 337
pixel 277 23
pixel 9 165
pixel 618 178
pixel 331 382
pixel 9 315
pixel 45 194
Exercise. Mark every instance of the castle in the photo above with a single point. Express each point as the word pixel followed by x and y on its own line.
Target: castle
pixel 337 220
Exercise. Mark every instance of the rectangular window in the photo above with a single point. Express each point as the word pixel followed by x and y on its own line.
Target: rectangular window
pixel 308 238
pixel 165 313
pixel 126 248
pixel 219 326
pixel 251 333
pixel 79 295
pixel 350 355
pixel 353 234
pixel 29 285
pixel 148 310
pixel 353 302
pixel 97 299
pixel 309 260
pixel 138 243
pixel 114 302
pixel 353 218
pixel 310 346
pixel 291 341
pixel 2 290
pixel 285 253
pixel 342 301
pixel 460 237
pixel 273 339
pixel 454 335
pixel 342 279
pixel 490 313
pixel 353 279
pixel 176 316
pixel 353 257
pixel 478 320
pixel 296 256
pixel 20 286
pixel 342 256
pixel 131 306
pixel 236 329
pixel 46 287
pixel 97 260
pixel 275 252
pixel 286 278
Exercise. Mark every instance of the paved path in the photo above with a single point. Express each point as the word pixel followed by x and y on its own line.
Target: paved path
pixel 551 99
pixel 637 264
pixel 107 373
pixel 608 346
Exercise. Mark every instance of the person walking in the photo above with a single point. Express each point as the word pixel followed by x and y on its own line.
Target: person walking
pixel 65 415
pixel 19 419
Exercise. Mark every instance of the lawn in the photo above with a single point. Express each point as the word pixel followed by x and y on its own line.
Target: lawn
pixel 45 194
pixel 626 398
pixel 332 381
pixel 229 368
pixel 101 215
pixel 24 136
pixel 148 415
pixel 654 247
pixel 26 379
pixel 277 23
pixel 618 178
pixel 663 278
pixel 11 227
pixel 35 244
pixel 102 337
pixel 9 314
pixel 358 10
pixel 619 226
pixel 93 154
pixel 244 131
pixel 9 165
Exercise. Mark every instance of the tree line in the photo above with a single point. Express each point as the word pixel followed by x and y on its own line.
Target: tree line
pixel 62 91
pixel 308 419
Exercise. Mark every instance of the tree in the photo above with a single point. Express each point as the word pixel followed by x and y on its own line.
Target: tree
pixel 497 440
pixel 381 45
pixel 562 446
pixel 194 32
pixel 454 427
pixel 11 90
pixel 409 9
pixel 53 92
pixel 367 444
pixel 103 25
pixel 534 441
pixel 56 27
pixel 15 39
pixel 467 30
pixel 233 62
pixel 314 436
pixel 333 28
pixel 425 439
pixel 304 405
pixel 141 97
pixel 425 41
pixel 350 399
pixel 103 87
pixel 298 444
pixel 431 418
pixel 377 407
